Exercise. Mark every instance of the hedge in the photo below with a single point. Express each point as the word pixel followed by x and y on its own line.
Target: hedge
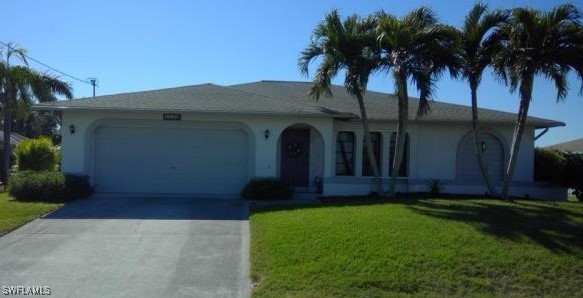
pixel 559 168
pixel 267 189
pixel 48 186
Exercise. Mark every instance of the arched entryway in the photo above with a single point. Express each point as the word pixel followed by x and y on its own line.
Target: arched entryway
pixel 468 170
pixel 301 157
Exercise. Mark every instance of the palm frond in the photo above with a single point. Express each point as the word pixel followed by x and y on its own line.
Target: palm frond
pixel 348 45
pixel 561 14
pixel 547 43
pixel 558 75
pixel 424 79
pixel 307 56
pixel 421 48
pixel 472 19
pixel 13 49
pixel 420 18
pixel 323 77
pixel 481 39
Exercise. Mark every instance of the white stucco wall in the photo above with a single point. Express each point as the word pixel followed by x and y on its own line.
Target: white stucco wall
pixel 432 155
pixel 437 144
pixel 77 156
pixel 433 147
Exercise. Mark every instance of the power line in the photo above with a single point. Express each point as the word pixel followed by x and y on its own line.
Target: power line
pixel 92 83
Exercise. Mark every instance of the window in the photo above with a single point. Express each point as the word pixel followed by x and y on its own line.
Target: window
pixel 375 138
pixel 345 154
pixel 404 170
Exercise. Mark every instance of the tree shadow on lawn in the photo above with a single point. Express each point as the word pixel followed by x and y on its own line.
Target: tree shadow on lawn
pixel 555 228
pixel 335 202
pixel 558 229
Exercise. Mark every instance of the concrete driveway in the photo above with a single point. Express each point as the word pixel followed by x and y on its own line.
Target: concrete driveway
pixel 124 246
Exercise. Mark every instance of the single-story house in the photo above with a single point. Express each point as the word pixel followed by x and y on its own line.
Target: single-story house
pixel 573 146
pixel 210 140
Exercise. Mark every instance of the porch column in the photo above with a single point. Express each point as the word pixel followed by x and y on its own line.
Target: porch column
pixel 385 146
pixel 359 149
pixel 329 138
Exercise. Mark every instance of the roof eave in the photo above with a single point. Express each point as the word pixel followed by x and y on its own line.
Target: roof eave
pixel 550 124
pixel 322 114
pixel 303 115
pixel 536 124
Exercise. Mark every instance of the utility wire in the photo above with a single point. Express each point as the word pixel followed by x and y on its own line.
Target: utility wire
pixel 92 83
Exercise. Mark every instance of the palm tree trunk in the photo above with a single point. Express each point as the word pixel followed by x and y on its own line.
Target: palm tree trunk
pixel 525 96
pixel 403 106
pixel 477 140
pixel 7 127
pixel 368 147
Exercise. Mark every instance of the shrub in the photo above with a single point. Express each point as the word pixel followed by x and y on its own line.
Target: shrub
pixel 36 155
pixel 434 187
pixel 564 169
pixel 48 186
pixel 267 189
pixel 573 175
pixel 77 186
pixel 549 165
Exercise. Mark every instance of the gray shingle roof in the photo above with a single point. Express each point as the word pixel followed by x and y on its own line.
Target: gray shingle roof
pixel 199 98
pixel 278 98
pixel 575 146
pixel 382 106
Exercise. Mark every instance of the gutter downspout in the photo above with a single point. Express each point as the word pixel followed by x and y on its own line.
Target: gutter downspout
pixel 541 133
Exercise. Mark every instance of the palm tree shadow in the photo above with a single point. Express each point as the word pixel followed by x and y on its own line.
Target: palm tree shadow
pixel 555 228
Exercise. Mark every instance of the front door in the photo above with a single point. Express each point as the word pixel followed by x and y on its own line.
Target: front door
pixel 295 157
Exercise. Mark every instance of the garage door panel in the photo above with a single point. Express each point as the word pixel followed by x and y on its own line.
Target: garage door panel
pixel 164 160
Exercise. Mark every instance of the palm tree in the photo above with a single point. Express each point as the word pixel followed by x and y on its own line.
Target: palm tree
pixel 538 43
pixel 21 86
pixel 344 46
pixel 480 39
pixel 419 49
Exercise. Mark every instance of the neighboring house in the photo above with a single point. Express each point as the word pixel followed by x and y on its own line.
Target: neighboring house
pixel 14 138
pixel 573 146
pixel 211 140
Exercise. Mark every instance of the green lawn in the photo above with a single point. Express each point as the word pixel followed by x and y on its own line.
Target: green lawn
pixel 419 248
pixel 14 213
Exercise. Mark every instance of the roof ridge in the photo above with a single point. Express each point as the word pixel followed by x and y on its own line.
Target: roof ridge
pixel 282 81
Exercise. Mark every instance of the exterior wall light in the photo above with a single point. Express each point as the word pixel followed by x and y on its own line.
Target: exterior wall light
pixel 72 129
pixel 267 134
pixel 483 146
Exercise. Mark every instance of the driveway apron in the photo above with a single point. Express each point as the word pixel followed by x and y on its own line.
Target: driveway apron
pixel 132 246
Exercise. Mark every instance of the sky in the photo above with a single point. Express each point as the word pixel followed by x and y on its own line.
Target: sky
pixel 144 45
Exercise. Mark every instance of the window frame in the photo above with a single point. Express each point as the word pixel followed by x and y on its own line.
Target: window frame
pixel 342 163
pixel 377 142
pixel 404 170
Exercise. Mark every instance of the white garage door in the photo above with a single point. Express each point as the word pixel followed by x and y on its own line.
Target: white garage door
pixel 170 160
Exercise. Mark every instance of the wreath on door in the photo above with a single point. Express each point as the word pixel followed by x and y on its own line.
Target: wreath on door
pixel 294 150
